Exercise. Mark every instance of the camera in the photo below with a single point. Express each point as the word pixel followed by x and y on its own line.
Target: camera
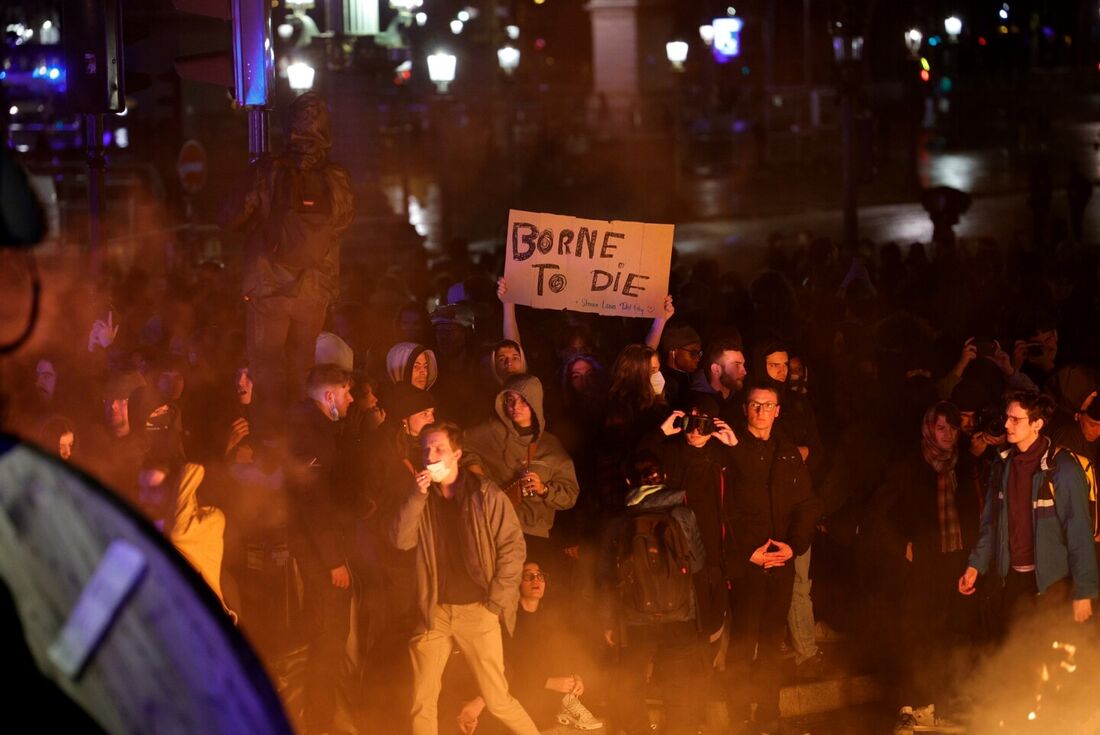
pixel 991 422
pixel 986 348
pixel 1034 349
pixel 695 422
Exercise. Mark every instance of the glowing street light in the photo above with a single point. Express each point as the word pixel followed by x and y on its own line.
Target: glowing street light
pixel 913 38
pixel 512 31
pixel 508 58
pixel 300 76
pixel 441 70
pixel 677 53
pixel 457 26
pixel 706 33
pixel 954 26
pixel 406 6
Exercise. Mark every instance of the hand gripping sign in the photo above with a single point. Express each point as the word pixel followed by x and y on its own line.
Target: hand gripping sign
pixel 605 267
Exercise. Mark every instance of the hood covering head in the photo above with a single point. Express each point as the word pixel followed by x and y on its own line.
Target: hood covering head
pixel 530 388
pixel 330 349
pixel 308 131
pixel 400 360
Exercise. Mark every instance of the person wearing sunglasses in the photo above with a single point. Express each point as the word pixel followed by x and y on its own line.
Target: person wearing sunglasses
pixel 681 352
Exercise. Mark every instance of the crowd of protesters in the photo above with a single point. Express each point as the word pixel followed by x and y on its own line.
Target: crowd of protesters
pixel 459 485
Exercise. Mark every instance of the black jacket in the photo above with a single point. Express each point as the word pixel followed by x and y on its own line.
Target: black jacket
pixel 322 502
pixel 769 496
pixel 905 510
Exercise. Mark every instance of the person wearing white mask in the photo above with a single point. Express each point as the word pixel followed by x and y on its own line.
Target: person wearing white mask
pixel 469 560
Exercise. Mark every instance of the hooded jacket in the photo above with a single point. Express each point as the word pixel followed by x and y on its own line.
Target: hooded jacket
pixel 400 359
pixel 254 209
pixel 503 454
pixel 198 532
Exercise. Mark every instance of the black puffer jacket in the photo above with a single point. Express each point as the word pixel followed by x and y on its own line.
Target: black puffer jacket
pixel 260 206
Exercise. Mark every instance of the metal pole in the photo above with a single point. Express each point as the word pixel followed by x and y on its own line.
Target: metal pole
pixel 258 143
pixel 97 163
pixel 848 179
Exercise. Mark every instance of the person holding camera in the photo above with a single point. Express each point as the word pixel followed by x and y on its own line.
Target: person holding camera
pixel 693 447
pixel 770 511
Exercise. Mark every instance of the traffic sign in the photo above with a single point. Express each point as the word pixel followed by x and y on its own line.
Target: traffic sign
pixel 191 166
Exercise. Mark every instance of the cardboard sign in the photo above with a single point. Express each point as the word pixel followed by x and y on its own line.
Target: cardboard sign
pixel 606 267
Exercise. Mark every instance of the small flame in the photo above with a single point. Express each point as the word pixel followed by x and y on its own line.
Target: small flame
pixel 1045 676
pixel 1031 715
pixel 1069 648
pixel 1069 667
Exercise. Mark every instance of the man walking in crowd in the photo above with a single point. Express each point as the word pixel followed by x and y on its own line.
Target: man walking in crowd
pixel 469 560
pixel 1036 532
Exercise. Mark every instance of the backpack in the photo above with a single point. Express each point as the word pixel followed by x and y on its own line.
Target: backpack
pixel 1090 477
pixel 301 226
pixel 654 577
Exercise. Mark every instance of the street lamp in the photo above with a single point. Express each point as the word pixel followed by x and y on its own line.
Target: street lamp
pixel 441 70
pixel 508 58
pixel 954 26
pixel 848 54
pixel 677 53
pixel 913 38
pixel 706 34
pixel 300 76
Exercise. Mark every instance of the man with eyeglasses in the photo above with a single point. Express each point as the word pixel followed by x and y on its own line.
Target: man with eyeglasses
pixel 770 511
pixel 681 350
pixel 1036 530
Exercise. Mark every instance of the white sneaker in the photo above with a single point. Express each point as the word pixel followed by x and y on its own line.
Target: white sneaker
pixel 576 715
pixel 912 720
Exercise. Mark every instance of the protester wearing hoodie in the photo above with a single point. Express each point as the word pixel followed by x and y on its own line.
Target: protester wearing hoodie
pixel 412 364
pixel 294 210
pixel 514 450
pixel 169 497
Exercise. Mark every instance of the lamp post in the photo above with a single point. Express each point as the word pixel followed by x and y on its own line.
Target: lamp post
pixel 913 40
pixel 508 58
pixel 953 25
pixel 677 53
pixel 300 76
pixel 848 55
pixel 441 70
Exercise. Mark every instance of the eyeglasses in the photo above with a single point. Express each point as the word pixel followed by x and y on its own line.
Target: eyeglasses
pixel 532 576
pixel 763 407
pixel 697 354
pixel 1015 419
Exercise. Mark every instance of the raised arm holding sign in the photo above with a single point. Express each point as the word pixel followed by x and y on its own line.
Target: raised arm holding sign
pixel 605 267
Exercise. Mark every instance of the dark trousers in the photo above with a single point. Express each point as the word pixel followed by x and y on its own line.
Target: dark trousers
pixel 759 602
pixel 327 620
pixel 676 655
pixel 281 334
pixel 936 620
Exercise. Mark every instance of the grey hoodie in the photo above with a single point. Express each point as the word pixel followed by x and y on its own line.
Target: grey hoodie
pixel 502 453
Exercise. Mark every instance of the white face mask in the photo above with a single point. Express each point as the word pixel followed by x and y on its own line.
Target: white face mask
pixel 657 380
pixel 438 471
